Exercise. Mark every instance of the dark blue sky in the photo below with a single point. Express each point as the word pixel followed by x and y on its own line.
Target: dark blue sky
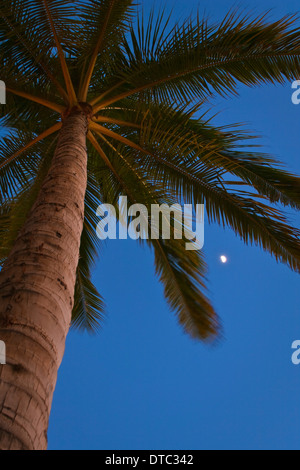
pixel 141 383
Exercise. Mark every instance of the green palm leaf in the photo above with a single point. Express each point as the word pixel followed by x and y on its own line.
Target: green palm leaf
pixel 181 272
pixel 197 60
pixel 88 304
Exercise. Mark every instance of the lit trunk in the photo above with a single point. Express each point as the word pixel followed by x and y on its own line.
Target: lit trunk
pixel 37 294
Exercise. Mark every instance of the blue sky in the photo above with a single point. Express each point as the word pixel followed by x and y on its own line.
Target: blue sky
pixel 141 383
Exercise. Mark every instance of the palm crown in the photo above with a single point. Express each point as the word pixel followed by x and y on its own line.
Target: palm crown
pixel 142 86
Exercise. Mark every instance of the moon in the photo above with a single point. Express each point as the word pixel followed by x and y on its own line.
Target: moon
pixel 224 259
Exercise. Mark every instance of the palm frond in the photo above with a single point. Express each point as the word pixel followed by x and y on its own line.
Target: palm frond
pixel 61 54
pixel 18 43
pixel 190 180
pixel 88 307
pixel 21 194
pixel 36 99
pixel 140 144
pixel 19 162
pixel 110 20
pixel 195 147
pixel 181 272
pixel 5 211
pixel 197 60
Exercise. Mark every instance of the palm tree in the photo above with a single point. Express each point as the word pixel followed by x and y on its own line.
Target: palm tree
pixel 98 108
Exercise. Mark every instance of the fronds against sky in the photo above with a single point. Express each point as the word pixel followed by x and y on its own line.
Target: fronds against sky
pixel 145 83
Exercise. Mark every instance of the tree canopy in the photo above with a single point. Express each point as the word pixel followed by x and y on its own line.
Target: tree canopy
pixel 145 84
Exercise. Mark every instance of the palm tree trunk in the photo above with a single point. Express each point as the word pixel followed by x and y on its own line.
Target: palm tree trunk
pixel 36 293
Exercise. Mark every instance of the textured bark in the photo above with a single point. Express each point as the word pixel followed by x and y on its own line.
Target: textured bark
pixel 37 294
